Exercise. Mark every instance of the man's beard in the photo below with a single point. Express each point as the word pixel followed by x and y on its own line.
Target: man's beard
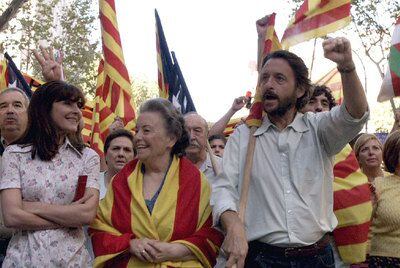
pixel 284 105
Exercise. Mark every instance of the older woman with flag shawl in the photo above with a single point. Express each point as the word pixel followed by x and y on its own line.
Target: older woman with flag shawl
pixel 156 212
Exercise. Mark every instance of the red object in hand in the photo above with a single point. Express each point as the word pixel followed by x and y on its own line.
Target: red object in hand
pixel 248 99
pixel 80 188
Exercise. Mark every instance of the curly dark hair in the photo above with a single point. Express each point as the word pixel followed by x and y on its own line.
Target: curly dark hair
pixel 174 122
pixel 322 89
pixel 300 72
pixel 42 132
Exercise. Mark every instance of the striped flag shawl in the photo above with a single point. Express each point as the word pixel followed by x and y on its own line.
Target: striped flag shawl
pixel 182 214
pixel 352 206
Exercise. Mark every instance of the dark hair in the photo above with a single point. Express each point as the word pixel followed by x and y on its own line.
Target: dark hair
pixel 217 137
pixel 174 122
pixel 322 89
pixel 42 132
pixel 391 151
pixel 300 72
pixel 116 134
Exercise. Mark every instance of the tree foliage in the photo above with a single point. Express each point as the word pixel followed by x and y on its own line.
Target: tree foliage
pixel 66 25
pixel 142 90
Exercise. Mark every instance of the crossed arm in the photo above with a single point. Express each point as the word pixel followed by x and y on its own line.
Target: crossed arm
pixel 24 215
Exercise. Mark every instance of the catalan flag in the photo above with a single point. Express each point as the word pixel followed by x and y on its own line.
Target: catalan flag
pixel 271 41
pixel 171 83
pixel 391 82
pixel 230 127
pixel 316 18
pixel 270 44
pixel 113 93
pixel 87 115
pixel 334 82
pixel 10 76
pixel 123 215
pixel 352 206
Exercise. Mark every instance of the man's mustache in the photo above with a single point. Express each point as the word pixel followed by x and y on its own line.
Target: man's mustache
pixel 269 95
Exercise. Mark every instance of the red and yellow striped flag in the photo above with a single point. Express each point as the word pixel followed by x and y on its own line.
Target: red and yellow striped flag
pixel 230 127
pixel 316 18
pixel 113 94
pixel 87 114
pixel 183 216
pixel 270 44
pixel 352 206
pixel 334 82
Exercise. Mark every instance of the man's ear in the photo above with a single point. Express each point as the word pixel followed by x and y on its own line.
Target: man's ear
pixel 300 91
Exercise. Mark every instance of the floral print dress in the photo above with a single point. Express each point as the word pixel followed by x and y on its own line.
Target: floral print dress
pixel 53 182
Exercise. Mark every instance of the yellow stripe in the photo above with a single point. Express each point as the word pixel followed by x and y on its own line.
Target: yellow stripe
pixel 3 84
pixel 357 214
pixel 353 180
pixel 333 4
pixel 113 46
pixel 196 251
pixel 165 207
pixel 115 75
pixel 313 9
pixel 107 10
pixel 354 253
pixel 142 224
pixel 344 153
pixel 318 32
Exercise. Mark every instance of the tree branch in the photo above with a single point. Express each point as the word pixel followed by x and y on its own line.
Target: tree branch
pixel 10 12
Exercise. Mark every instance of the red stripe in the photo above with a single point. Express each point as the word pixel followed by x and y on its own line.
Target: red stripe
pixel 188 201
pixel 395 83
pixel 114 61
pixel 300 14
pixel 351 234
pixel 106 88
pixel 129 111
pixel 115 96
pixel 110 29
pixel 121 210
pixel 318 21
pixel 105 243
pixel 256 111
pixel 346 167
pixel 348 198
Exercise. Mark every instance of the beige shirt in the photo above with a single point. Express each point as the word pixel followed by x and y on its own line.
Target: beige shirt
pixel 385 227
pixel 4 231
pixel 208 170
pixel 291 190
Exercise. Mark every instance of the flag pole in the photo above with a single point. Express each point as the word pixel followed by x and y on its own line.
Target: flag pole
pixel 393 106
pixel 214 164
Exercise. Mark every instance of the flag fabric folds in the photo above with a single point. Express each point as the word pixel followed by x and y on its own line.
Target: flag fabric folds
pixel 334 82
pixel 171 83
pixel 113 93
pixel 123 215
pixel 270 44
pixel 10 76
pixel 316 18
pixel 352 206
pixel 391 82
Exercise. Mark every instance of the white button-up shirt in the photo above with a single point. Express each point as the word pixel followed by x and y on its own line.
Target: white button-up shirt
pixel 291 189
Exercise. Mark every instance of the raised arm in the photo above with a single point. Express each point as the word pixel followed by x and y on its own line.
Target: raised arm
pixel 220 125
pixel 51 68
pixel 339 51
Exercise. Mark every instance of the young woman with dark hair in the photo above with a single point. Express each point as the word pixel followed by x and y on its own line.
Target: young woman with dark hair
pixel 40 174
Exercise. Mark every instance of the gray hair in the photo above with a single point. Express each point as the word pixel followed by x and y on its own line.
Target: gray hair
pixel 15 89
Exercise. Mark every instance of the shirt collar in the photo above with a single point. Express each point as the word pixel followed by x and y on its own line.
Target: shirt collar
pixel 297 124
pixel 206 164
pixel 3 142
pixel 68 144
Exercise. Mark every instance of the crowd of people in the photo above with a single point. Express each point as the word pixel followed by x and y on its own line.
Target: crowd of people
pixel 169 193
